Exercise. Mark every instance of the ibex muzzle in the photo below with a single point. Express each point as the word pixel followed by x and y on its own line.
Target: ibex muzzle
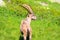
pixel 25 24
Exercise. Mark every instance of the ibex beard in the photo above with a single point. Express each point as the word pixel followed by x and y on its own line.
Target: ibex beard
pixel 25 27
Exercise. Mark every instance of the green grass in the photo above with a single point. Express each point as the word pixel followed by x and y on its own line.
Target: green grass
pixel 45 27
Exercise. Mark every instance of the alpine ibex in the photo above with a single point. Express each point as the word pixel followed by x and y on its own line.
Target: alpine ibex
pixel 25 24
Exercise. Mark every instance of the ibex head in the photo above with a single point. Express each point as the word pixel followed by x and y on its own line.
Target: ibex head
pixel 32 16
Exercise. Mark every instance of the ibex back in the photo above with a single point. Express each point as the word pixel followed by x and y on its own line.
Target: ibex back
pixel 25 24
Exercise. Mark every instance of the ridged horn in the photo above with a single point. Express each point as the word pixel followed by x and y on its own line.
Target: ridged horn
pixel 29 9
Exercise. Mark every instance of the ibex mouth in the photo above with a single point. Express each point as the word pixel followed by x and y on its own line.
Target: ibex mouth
pixel 34 19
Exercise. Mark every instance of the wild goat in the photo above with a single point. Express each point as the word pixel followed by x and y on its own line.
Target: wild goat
pixel 25 24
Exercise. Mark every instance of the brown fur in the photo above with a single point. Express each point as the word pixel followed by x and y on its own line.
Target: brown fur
pixel 25 24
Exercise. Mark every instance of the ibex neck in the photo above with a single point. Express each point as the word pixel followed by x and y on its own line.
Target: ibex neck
pixel 28 20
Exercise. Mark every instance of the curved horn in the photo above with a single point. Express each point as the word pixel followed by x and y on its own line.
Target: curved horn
pixel 29 9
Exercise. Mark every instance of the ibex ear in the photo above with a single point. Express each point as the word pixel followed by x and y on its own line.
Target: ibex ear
pixel 27 15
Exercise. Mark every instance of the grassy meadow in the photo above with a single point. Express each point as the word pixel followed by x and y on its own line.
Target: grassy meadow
pixel 45 27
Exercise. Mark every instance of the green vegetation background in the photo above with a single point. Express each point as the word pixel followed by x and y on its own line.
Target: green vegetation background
pixel 46 27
